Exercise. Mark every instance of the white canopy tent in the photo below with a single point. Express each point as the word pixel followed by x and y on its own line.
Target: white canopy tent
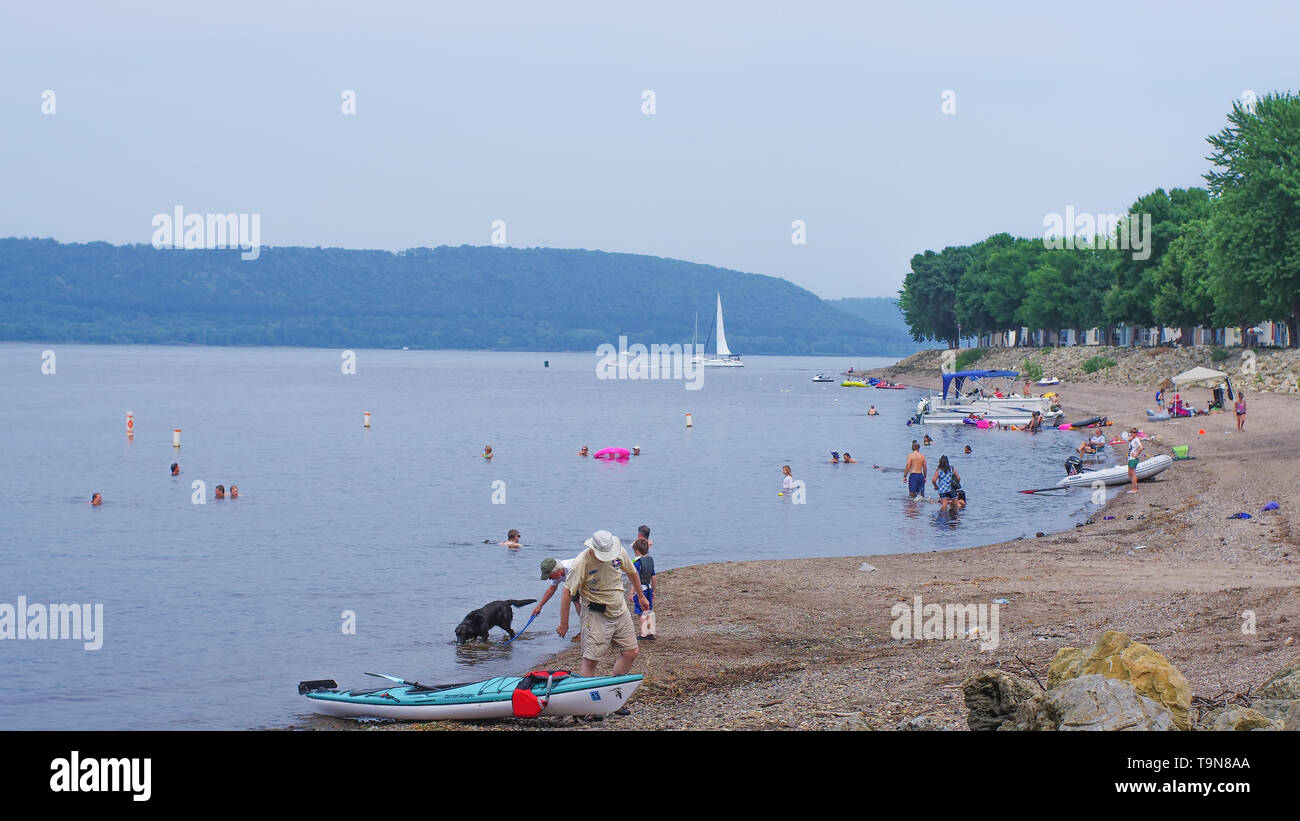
pixel 1197 374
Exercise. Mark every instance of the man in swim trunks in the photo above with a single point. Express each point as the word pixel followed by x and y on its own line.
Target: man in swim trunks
pixel 1135 451
pixel 512 540
pixel 914 472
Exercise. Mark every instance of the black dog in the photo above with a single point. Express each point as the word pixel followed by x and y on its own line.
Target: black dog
pixel 478 622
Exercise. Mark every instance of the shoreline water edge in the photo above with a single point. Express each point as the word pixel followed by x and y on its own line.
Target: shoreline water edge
pixel 816 643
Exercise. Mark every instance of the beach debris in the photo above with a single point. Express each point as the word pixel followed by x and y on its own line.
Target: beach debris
pixel 1091 702
pixel 1108 517
pixel 992 698
pixel 1139 547
pixel 1290 640
pixel 1002 601
pixel 1040 534
pixel 1270 506
pixel 1240 516
pixel 1116 656
pixel 866 567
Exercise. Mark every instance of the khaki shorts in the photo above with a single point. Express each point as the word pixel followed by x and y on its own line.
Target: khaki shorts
pixel 602 634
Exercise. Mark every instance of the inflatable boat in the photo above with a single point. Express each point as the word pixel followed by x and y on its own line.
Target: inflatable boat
pixel 1118 474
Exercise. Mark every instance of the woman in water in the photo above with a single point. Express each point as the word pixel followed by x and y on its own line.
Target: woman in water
pixel 835 457
pixel 945 481
pixel 234 491
pixel 583 452
pixel 787 484
pixel 927 440
pixel 487 451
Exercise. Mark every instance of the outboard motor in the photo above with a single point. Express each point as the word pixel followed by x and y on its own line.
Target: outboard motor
pixel 1073 465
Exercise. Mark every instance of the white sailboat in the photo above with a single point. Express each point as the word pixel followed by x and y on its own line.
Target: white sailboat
pixel 724 358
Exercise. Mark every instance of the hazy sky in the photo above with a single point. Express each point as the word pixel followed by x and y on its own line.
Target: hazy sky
pixel 532 113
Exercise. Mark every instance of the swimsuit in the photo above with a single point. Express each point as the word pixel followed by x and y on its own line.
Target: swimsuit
pixel 916 483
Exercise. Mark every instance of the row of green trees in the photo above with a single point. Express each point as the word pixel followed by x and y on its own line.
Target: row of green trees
pixel 1223 256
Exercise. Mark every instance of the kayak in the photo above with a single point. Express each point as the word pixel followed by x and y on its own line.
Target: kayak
pixel 1118 474
pixel 887 386
pixel 570 695
pixel 1095 420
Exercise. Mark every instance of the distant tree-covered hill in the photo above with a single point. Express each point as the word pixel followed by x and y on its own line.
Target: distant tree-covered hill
pixel 466 297
pixel 882 315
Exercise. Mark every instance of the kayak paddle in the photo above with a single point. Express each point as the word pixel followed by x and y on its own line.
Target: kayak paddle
pixel 1043 489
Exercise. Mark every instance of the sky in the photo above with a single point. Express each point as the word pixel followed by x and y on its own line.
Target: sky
pixel 535 114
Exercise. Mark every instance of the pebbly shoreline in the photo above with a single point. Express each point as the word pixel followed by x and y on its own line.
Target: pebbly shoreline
pixel 806 644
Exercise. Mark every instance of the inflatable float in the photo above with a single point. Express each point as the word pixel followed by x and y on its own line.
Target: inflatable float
pixel 853 383
pixel 612 454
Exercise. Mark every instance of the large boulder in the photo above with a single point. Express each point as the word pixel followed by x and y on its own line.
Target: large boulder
pixel 1276 696
pixel 1117 656
pixel 992 697
pixel 1292 720
pixel 1091 702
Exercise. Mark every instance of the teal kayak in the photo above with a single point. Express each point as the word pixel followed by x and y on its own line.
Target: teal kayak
pixel 562 695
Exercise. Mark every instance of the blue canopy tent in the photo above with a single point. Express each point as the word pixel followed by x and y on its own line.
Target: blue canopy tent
pixel 961 376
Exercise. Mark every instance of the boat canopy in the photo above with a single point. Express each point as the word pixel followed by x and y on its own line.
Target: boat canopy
pixel 960 377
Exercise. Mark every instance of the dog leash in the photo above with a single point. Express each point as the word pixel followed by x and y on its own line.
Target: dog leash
pixel 516 635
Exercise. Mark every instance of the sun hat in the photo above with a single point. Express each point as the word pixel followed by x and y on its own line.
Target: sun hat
pixel 604 544
pixel 548 567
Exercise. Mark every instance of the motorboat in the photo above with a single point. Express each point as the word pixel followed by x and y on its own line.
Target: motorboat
pixel 821 377
pixel 985 396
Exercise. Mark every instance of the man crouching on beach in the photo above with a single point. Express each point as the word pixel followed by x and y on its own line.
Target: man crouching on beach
pixel 606 623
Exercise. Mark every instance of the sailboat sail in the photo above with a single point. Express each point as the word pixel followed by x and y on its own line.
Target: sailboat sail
pixel 723 350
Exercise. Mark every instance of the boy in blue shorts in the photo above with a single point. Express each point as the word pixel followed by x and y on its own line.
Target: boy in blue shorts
pixel 646 568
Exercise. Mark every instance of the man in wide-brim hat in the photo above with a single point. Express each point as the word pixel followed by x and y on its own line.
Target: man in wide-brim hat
pixel 597 575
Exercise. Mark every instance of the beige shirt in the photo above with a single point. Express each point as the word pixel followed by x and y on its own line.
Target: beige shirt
pixel 600 582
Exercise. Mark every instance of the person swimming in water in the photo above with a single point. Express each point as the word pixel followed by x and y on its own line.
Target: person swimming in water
pixel 636 450
pixel 96 499
pixel 234 491
pixel 787 482
pixel 583 452
pixel 849 460
pixel 512 540
pixel 176 468
pixel 872 411
pixel 835 457
pixel 221 491
pixel 928 440
pixel 487 451
pixel 968 450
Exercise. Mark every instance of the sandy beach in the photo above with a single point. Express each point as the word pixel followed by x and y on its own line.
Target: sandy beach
pixel 805 643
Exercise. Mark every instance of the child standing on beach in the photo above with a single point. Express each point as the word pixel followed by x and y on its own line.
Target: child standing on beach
pixel 646 568
pixel 1240 408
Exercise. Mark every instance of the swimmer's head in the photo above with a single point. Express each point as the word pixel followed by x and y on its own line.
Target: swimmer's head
pixel 96 499
pixel 835 457
pixel 846 456
pixel 636 450
pixel 513 535
pixel 583 452
pixel 968 450
pixel 643 531
pixel 176 468
pixel 786 470
pixel 234 491
pixel 916 445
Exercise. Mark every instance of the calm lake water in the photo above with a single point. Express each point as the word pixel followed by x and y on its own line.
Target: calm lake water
pixel 213 612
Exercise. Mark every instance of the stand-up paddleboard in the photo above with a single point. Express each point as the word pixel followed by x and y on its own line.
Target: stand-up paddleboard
pixel 556 695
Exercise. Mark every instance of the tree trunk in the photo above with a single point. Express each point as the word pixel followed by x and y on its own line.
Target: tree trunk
pixel 1188 336
pixel 1293 325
